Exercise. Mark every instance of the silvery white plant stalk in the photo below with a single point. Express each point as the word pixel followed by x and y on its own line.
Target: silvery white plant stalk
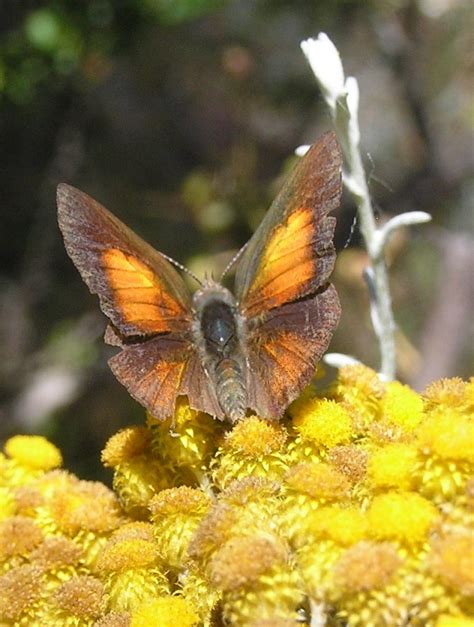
pixel 342 98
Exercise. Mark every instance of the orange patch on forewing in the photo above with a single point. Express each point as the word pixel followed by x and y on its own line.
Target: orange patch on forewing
pixel 138 294
pixel 288 264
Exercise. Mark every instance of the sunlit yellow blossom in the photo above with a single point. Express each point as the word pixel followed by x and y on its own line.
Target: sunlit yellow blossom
pixel 187 439
pixel 350 460
pixel 401 406
pixel 257 581
pixel 20 593
pixel 125 445
pixel 80 597
pixel 446 620
pixel 114 619
pixel 393 466
pixel 366 565
pixel 8 505
pixel 253 447
pixel 131 573
pixel 33 451
pixel 323 423
pixel 316 562
pixel 443 479
pixel 57 552
pixel 319 481
pixel 448 394
pixel 18 536
pixel 364 505
pixel 359 390
pixel 176 514
pixel 453 560
pixel 196 589
pixel 85 505
pixel 137 480
pixel 27 499
pixel 165 612
pixel 403 516
pixel 343 525
pixel 448 434
pixel 243 508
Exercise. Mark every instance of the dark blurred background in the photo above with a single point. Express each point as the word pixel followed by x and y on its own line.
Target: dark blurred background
pixel 182 117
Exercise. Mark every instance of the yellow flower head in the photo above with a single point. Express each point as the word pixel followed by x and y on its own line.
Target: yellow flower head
pixel 243 508
pixel 323 423
pixel 350 460
pixel 359 389
pixel 125 445
pixel 393 466
pixel 448 434
pixel 176 514
pixel 401 406
pixel 257 581
pixel 448 620
pixel 85 506
pixel 130 569
pixel 243 560
pixel 166 612
pixel 453 561
pixel 187 439
pixel 403 516
pixel 33 452
pixel 80 597
pixel 137 480
pixel 253 447
pixel 127 554
pixel 20 593
pixel 449 394
pixel 196 589
pixel 342 525
pixel 18 536
pixel 367 565
pixel 320 482
pixel 8 504
pixel 57 552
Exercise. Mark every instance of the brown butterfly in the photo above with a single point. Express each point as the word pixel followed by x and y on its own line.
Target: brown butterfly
pixel 256 349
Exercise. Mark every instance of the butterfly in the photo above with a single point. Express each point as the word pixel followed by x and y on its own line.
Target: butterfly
pixel 229 353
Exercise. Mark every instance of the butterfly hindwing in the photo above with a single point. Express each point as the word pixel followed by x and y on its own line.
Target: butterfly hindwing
pixel 291 254
pixel 284 348
pixel 139 290
pixel 152 371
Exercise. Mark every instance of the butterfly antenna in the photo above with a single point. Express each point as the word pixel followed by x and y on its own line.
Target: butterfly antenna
pixel 181 267
pixel 233 261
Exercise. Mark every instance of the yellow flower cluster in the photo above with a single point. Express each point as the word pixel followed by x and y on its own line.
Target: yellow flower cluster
pixel 356 509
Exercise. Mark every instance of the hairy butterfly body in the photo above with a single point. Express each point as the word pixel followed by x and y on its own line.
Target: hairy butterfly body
pixel 254 349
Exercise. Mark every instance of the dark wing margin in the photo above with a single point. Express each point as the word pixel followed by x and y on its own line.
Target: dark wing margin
pixel 284 348
pixel 139 290
pixel 291 254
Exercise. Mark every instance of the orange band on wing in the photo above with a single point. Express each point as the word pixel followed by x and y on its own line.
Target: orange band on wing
pixel 288 263
pixel 138 294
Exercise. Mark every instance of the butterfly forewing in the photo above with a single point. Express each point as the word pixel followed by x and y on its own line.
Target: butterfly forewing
pixel 291 254
pixel 139 290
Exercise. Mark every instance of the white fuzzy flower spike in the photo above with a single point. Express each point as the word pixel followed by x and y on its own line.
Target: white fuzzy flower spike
pixel 326 64
pixel 342 98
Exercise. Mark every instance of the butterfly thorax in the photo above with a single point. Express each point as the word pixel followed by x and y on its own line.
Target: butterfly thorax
pixel 218 332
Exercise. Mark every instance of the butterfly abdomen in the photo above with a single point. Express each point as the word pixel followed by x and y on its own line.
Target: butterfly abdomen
pixel 230 388
pixel 218 333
